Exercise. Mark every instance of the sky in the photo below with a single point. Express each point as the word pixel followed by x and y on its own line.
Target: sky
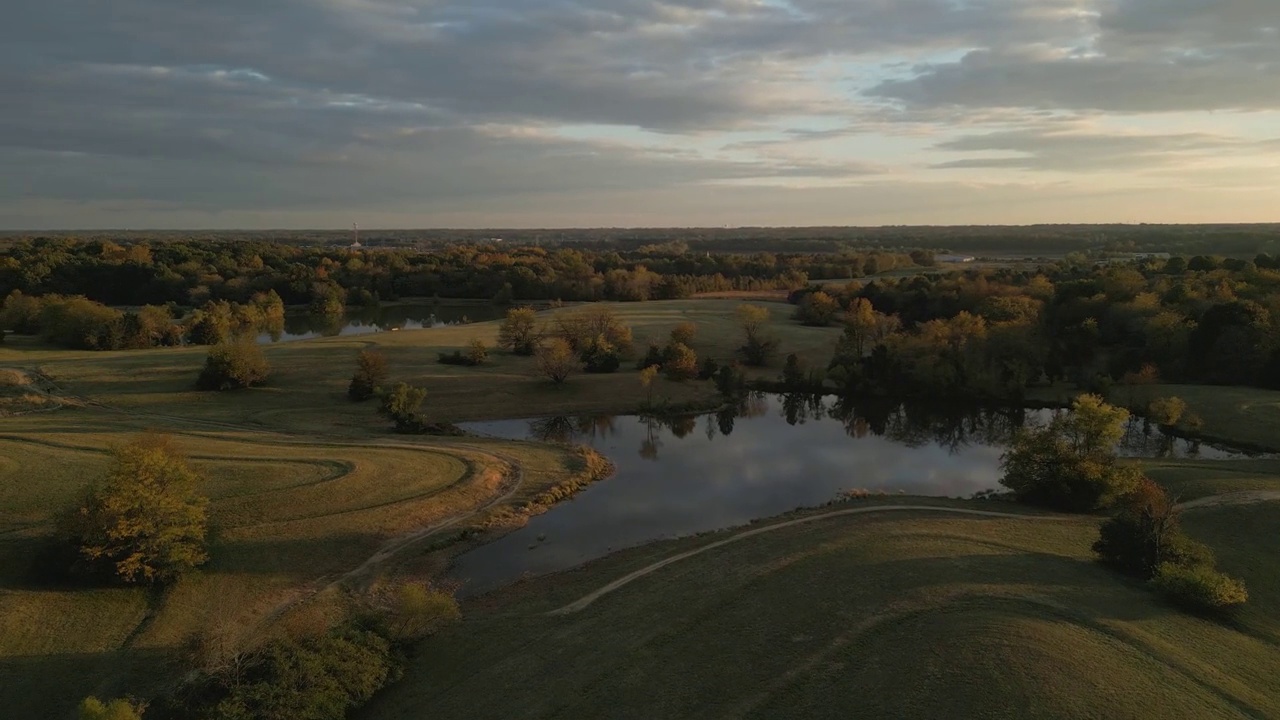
pixel 550 113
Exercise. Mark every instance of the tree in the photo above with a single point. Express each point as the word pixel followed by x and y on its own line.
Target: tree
pixel 758 347
pixel 556 360
pixel 518 332
pixel 584 327
pixel 684 333
pixel 119 709
pixel 600 356
pixel 652 357
pixel 401 405
pixel 1167 411
pixel 793 375
pixel 234 365
pixel 1070 464
pixel 1145 533
pixel 371 372
pixel 144 520
pixel 680 362
pixel 477 353
pixel 647 376
pixel 817 309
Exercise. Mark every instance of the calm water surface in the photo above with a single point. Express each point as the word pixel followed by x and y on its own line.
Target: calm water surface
pixel 774 454
pixel 303 326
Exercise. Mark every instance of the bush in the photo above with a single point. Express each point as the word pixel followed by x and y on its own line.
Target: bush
pixel 456 358
pixel 234 365
pixel 1198 587
pixel 119 709
pixel 709 369
pixel 317 678
pixel 817 309
pixel 419 611
pixel 477 353
pixel 652 357
pixel 371 372
pixel 401 405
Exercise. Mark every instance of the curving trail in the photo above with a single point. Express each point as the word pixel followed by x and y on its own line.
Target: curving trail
pixel 585 601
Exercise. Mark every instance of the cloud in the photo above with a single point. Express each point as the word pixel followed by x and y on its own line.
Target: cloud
pixel 300 105
pixel 1080 149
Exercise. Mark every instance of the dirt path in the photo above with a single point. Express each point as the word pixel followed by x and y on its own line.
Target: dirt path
pixel 585 601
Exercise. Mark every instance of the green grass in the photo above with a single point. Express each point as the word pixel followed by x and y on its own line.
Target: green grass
pixel 875 616
pixel 1239 414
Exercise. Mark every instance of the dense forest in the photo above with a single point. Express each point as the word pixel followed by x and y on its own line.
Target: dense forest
pixel 193 273
pixel 995 332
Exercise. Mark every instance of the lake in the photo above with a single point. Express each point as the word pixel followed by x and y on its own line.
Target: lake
pixel 303 326
pixel 772 454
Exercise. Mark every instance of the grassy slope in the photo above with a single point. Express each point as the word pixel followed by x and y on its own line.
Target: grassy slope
pixel 882 616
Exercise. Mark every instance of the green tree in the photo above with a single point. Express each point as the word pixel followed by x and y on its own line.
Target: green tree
pixel 119 709
pixel 234 365
pixel 556 360
pixel 1070 464
pixel 518 332
pixel 371 372
pixel 144 520
pixel 401 404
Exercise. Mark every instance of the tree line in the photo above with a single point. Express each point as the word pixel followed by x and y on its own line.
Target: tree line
pixel 191 273
pixel 995 332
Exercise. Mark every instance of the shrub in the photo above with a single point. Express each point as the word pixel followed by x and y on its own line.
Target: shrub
pixel 456 358
pixel 477 352
pixel 1198 587
pixel 119 709
pixel 316 678
pixel 652 357
pixel 401 405
pixel 234 365
pixel 709 369
pixel 371 372
pixel 758 347
pixel 1167 411
pixel 143 522
pixel 419 611
pixel 586 326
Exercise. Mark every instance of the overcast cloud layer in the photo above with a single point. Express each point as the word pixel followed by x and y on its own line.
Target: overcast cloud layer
pixel 315 113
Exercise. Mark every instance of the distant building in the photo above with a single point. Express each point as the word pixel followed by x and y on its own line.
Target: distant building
pixel 954 258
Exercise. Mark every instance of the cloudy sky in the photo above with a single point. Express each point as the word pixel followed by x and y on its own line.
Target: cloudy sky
pixel 430 113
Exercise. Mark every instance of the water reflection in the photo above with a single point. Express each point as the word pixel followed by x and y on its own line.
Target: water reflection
pixel 302 326
pixel 763 456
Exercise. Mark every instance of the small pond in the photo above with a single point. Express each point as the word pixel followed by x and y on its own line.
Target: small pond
pixel 303 326
pixel 772 454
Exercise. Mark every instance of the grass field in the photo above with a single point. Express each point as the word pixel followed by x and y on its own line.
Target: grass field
pixel 881 615
pixel 894 615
